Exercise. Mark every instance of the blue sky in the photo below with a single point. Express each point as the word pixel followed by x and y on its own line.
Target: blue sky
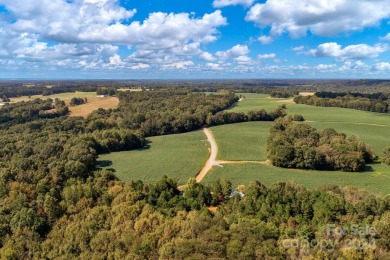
pixel 166 39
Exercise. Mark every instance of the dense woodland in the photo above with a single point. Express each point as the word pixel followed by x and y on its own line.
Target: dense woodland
pixel 55 202
pixel 292 145
pixel 376 102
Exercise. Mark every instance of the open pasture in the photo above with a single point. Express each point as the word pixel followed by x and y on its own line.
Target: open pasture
pixel 248 141
pixel 179 156
pixel 242 141
pixel 376 179
pixel 94 102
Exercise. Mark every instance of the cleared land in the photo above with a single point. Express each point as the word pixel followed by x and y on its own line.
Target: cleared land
pixel 94 102
pixel 242 141
pixel 254 102
pixel 375 179
pixel 179 156
pixel 183 156
pixel 247 141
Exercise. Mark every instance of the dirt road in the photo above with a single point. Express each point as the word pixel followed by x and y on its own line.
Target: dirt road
pixel 213 155
pixel 212 161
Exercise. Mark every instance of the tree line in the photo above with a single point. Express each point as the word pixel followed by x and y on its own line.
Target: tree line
pixel 365 102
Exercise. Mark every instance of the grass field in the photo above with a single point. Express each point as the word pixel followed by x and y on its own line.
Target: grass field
pixel 373 128
pixel 247 141
pixel 376 179
pixel 243 141
pixel 94 102
pixel 254 102
pixel 179 156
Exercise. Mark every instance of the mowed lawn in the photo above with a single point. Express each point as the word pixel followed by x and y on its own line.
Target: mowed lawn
pixel 94 102
pixel 376 179
pixel 179 156
pixel 242 141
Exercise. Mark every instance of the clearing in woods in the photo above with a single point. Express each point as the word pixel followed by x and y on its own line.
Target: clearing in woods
pixel 180 156
pixel 248 141
pixel 94 102
pixel 242 150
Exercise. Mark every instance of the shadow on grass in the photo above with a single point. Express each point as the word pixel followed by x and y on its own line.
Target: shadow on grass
pixel 146 146
pixel 368 168
pixel 104 163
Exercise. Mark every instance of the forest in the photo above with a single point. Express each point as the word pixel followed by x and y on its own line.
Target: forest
pixel 55 201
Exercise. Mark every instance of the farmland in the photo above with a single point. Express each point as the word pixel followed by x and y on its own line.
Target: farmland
pixel 375 179
pixel 243 141
pixel 178 156
pixel 183 155
pixel 94 102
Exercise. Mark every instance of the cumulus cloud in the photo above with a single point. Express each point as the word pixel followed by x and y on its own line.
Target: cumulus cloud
pixel 85 30
pixel 266 56
pixel 140 66
pixel 354 52
pixel 243 60
pixel 234 52
pixel 265 39
pixel 206 56
pixel 223 3
pixel 104 21
pixel 183 65
pixel 382 66
pixel 324 18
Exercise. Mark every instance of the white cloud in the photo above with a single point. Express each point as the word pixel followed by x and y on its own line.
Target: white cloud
pixel 386 37
pixel 243 60
pixel 206 56
pixel 266 56
pixel 213 66
pixel 179 65
pixel 265 39
pixel 328 17
pixel 223 3
pixel 140 66
pixel 298 48
pixel 382 66
pixel 359 51
pixel 78 32
pixel 234 52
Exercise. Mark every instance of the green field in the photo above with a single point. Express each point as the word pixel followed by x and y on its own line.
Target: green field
pixel 373 128
pixel 182 156
pixel 376 179
pixel 247 141
pixel 179 156
pixel 254 102
pixel 243 141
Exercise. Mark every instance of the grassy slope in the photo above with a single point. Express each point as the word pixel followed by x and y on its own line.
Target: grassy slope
pixel 376 180
pixel 247 141
pixel 179 156
pixel 243 141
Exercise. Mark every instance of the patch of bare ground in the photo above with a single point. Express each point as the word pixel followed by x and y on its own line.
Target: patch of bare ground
pixel 305 94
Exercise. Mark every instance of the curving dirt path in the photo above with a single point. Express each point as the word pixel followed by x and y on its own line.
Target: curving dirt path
pixel 213 155
pixel 212 161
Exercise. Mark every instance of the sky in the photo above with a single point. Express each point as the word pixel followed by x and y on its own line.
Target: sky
pixel 179 39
